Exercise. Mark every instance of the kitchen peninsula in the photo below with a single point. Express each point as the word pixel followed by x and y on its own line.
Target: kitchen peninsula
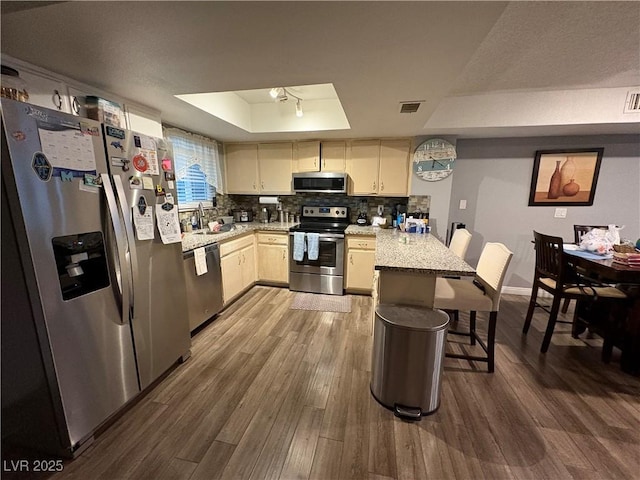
pixel 407 265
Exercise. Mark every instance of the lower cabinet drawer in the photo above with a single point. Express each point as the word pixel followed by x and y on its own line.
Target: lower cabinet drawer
pixel 273 238
pixel 232 245
pixel 363 243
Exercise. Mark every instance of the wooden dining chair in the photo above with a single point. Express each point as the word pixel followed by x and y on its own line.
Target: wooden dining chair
pixel 555 274
pixel 578 232
pixel 481 295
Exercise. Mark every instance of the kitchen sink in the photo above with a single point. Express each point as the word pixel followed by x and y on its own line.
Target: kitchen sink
pixel 223 229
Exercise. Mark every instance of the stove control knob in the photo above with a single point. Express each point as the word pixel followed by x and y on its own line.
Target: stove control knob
pixel 306 211
pixel 337 212
pixel 342 212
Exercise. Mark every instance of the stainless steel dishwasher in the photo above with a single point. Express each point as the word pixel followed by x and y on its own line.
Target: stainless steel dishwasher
pixel 204 292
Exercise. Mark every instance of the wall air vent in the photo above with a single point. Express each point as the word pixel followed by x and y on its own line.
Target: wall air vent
pixel 632 104
pixel 410 107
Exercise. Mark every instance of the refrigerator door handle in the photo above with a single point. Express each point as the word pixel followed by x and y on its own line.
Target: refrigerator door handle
pixel 131 238
pixel 121 245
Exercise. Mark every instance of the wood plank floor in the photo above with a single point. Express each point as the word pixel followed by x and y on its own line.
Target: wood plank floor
pixel 277 393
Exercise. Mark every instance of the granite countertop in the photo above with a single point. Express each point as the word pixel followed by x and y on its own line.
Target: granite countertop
pixel 417 253
pixel 192 240
pixel 359 230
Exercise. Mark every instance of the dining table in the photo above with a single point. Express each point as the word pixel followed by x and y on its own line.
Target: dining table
pixel 627 319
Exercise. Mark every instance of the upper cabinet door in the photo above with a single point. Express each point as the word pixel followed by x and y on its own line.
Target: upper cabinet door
pixel 333 156
pixel 394 168
pixel 308 155
pixel 46 92
pixel 275 161
pixel 363 167
pixel 241 165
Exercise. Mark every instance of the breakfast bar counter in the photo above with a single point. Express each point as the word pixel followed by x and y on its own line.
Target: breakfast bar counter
pixel 407 265
pixel 417 253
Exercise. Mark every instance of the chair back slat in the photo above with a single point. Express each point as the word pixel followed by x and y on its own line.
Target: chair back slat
pixel 550 260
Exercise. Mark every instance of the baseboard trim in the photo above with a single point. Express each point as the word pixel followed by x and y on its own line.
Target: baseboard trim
pixel 524 291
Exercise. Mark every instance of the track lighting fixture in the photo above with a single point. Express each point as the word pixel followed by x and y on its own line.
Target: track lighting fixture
pixel 274 92
pixel 281 94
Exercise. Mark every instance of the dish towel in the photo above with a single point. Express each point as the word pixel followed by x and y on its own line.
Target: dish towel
pixel 313 245
pixel 299 246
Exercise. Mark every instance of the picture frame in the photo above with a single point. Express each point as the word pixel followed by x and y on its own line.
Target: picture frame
pixel 565 177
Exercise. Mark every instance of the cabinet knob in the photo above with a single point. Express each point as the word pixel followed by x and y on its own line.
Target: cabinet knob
pixel 382 186
pixel 254 186
pixel 262 185
pixel 315 162
pixel 284 255
pixel 374 186
pixel 351 259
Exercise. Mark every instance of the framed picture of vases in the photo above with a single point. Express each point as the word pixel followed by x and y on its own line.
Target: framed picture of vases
pixel 565 177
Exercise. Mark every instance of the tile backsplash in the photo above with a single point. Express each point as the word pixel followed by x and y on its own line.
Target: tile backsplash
pixel 293 204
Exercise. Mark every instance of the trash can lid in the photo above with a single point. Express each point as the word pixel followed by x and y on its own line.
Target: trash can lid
pixel 412 318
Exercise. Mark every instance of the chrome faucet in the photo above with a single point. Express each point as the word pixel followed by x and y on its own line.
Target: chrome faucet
pixel 200 215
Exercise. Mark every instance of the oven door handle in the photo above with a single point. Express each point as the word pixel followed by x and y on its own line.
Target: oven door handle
pixel 327 238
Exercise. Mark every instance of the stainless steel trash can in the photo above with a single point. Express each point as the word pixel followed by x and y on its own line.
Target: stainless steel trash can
pixel 407 358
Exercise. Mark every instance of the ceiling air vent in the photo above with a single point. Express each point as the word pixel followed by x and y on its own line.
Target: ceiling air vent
pixel 410 107
pixel 632 104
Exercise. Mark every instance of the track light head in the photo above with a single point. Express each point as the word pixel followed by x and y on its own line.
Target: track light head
pixel 281 94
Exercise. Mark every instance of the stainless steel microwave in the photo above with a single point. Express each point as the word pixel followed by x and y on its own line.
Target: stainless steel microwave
pixel 320 182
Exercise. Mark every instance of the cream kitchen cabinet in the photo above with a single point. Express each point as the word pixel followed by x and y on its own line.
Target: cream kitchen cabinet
pixel 333 156
pixel 315 156
pixel 360 261
pixel 253 169
pixel 275 165
pixel 363 166
pixel 273 257
pixel 393 174
pixel 308 156
pixel 241 162
pixel 46 91
pixel 238 264
pixel 379 167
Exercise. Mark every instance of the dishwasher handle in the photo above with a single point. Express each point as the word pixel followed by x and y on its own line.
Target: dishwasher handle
pixel 208 249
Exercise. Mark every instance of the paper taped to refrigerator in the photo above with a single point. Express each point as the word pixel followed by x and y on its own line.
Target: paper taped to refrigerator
pixel 152 159
pixel 168 225
pixel 69 149
pixel 144 223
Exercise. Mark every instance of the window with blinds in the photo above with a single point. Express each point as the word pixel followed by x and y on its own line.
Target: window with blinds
pixel 196 166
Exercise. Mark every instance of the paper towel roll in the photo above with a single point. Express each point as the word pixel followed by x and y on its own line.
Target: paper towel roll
pixel 268 200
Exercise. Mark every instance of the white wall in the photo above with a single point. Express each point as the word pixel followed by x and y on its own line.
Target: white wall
pixel 494 176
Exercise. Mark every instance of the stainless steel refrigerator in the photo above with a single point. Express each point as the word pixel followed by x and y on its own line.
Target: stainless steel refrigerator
pixel 93 309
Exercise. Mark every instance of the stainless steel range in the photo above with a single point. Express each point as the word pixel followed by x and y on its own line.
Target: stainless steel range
pixel 326 273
